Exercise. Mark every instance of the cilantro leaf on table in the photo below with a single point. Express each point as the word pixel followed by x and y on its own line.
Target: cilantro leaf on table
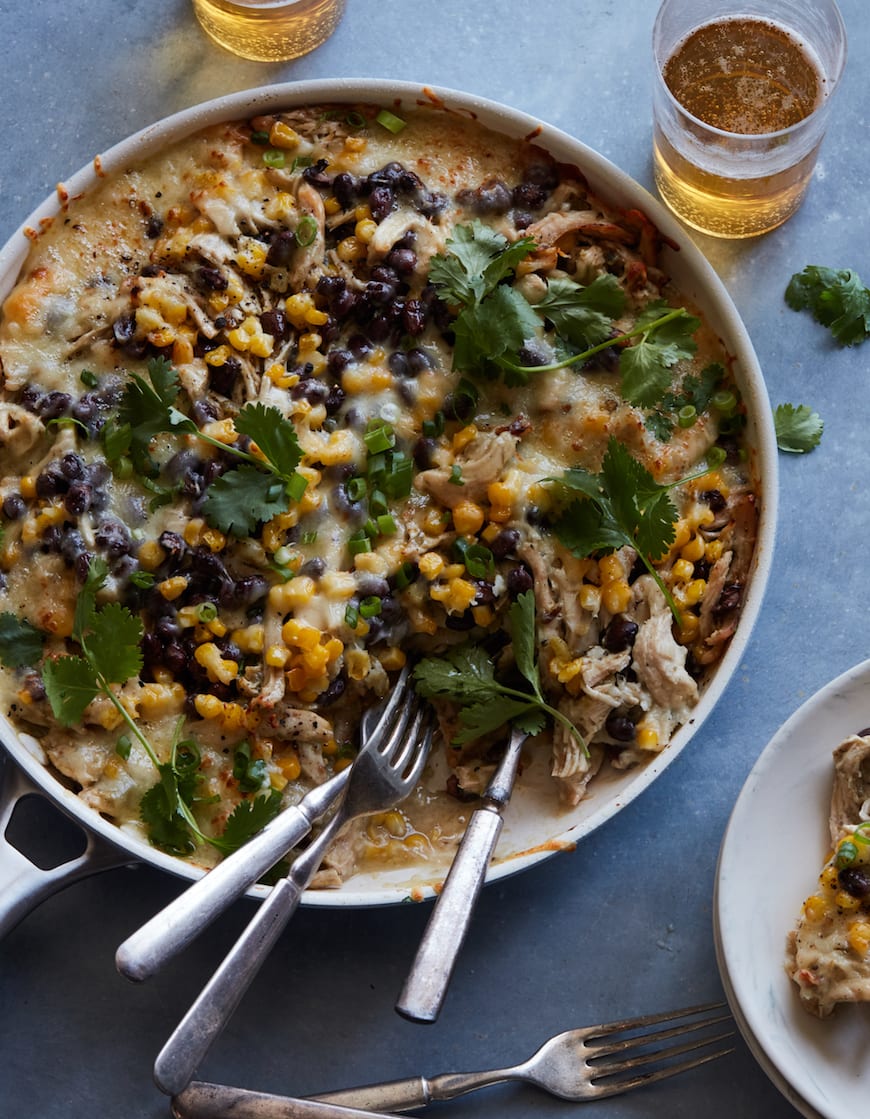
pixel 622 505
pixel 20 642
pixel 798 428
pixel 836 299
pixel 465 675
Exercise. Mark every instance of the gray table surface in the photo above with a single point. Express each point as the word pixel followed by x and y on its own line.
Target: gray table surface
pixel 624 924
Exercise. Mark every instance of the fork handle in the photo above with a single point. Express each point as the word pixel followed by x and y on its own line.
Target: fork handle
pixel 174 927
pixel 426 985
pixel 198 1030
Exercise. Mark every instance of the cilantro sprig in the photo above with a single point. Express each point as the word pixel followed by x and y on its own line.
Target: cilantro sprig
pixel 20 641
pixel 798 428
pixel 465 675
pixel 494 322
pixel 236 502
pixel 109 638
pixel 622 505
pixel 836 299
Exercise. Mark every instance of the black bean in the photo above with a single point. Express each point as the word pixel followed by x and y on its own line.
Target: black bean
pixel 378 293
pixel 369 584
pixel 334 691
pixel 168 628
pixel 275 323
pixel 402 261
pixel 414 317
pixel 113 538
pixel 51 482
pixel 78 498
pixel 544 174
pixel 124 328
pixel 398 364
pixel 620 727
pixel 729 599
pixel 281 249
pixel 359 345
pixel 72 466
pixel 314 567
pixel 249 589
pixel 620 634
pixel 418 361
pixel 382 202
pixel 431 204
pixel 331 285
pixel 334 400
pixel 491 197
pixel 14 506
pixel 388 175
pixel 343 304
pixel 345 188
pixel 312 390
pixel 714 499
pixel 154 227
pixel 51 538
pixel 176 658
pixel 519 579
pixel 505 543
pixel 211 278
pixel 82 566
pixel 315 174
pixel 855 880
pixel 337 361
pixel 54 405
pixel 529 196
pixel 72 545
pixel 423 453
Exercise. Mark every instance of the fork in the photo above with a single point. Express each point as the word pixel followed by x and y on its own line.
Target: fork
pixel 578 1065
pixel 382 776
pixel 162 937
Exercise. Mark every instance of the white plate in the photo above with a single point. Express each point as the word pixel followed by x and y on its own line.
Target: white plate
pixel 775 845
pixel 535 827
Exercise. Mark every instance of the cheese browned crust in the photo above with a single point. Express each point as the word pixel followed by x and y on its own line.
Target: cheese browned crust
pixel 285 261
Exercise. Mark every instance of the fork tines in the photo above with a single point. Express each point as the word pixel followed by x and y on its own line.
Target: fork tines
pixel 608 1077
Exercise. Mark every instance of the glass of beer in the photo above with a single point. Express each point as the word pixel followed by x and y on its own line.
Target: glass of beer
pixel 269 30
pixel 741 99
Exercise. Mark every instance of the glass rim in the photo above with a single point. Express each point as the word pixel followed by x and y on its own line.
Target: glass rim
pixel 831 81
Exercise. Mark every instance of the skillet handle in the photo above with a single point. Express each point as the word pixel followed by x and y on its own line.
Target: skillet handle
pixel 23 884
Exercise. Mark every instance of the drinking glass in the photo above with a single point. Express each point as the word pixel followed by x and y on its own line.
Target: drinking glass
pixel 269 30
pixel 736 134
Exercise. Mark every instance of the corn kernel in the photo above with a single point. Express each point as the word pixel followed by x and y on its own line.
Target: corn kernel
pixel 682 534
pixel 433 522
pixel 647 738
pixel 392 658
pixel 338 585
pixel 300 635
pixel 334 648
pixel 431 565
pixel 590 598
pixel 207 706
pixel 218 356
pixel 463 437
pixel 331 206
pixel 694 550
pixel 455 596
pixel 251 258
pixel 299 591
pixel 694 592
pixel 219 670
pixel 281 135
pixel 846 901
pixel 289 765
pixel 610 569
pixel 859 937
pixel 358 664
pixel 682 570
pixel 482 615
pixel 250 639
pixel 714 550
pixel 171 588
pixel 296 679
pixel 829 879
pixel 372 562
pixel 277 656
pixel 467 518
pixel 365 378
pixel 151 555
pixel 365 230
pixel 815 908
pixel 182 351
pixel 193 531
pixel 28 487
pixel 351 250
pixel 157 700
pixel 616 597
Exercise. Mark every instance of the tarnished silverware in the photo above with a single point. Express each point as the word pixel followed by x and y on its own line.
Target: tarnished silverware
pixel 426 985
pixel 579 1065
pixel 383 775
pixel 162 937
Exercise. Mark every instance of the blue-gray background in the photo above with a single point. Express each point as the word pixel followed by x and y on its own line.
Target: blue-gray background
pixel 621 926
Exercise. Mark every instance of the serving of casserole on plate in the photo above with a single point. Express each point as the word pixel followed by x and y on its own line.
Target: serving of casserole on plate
pixel 314 381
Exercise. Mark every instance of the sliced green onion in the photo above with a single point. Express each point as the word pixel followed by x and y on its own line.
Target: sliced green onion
pixel 186 756
pixel 123 746
pixel 355 119
pixel 274 157
pixel 301 161
pixel 478 559
pixel 380 439
pixel 89 378
pixel 297 484
pixel 390 121
pixel 455 478
pixel 847 853
pixel 399 477
pixel 359 543
pixel 306 231
pixel 308 538
pixel 143 579
pixel 282 555
pixel 724 401
pixel 351 616
pixel 386 525
pixel 716 456
pixel 206 611
pixel 370 607
pixel 378 503
pixel 260 138
pixel 356 488
pixel 406 575
pixel 434 427
pixel 687 415
pixel 370 528
pixel 376 469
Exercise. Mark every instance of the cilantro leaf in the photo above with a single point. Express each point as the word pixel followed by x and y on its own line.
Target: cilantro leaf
pixel 478 260
pixel 486 331
pixel 246 819
pixel 465 675
pixel 149 409
pixel 273 434
pixel 113 643
pixel 70 685
pixel 583 315
pixel 240 499
pixel 798 428
pixel 167 828
pixel 20 642
pixel 836 299
pixel 666 338
pixel 251 773
pixel 623 505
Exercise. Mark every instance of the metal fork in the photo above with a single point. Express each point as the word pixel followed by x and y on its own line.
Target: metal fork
pixel 382 776
pixel 579 1065
pixel 162 937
